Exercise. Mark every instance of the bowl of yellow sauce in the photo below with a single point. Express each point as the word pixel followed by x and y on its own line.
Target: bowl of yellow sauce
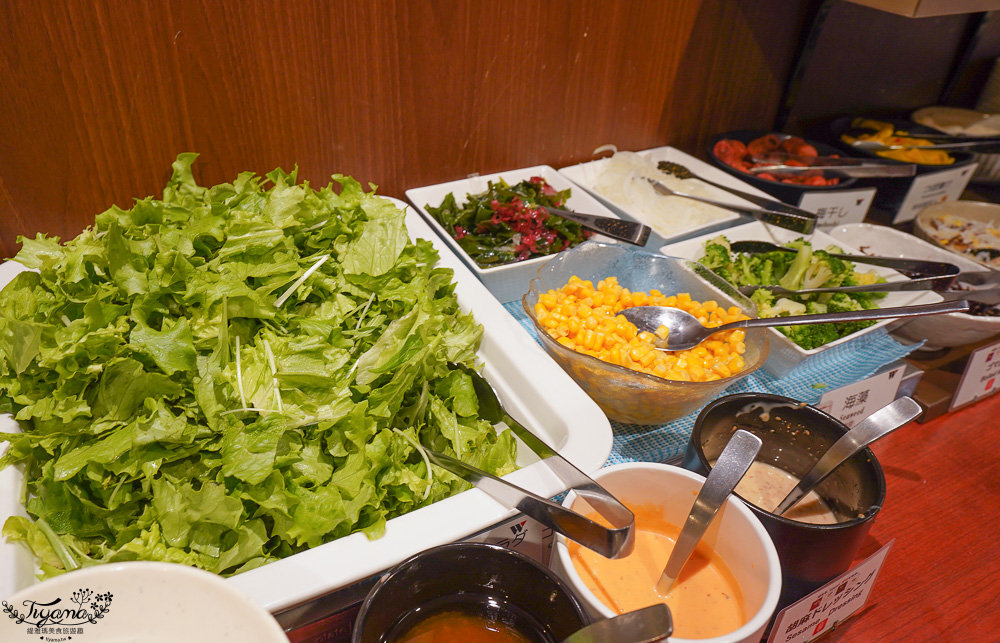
pixel 726 593
pixel 470 592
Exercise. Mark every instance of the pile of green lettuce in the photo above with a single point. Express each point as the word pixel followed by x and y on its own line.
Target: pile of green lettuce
pixel 227 376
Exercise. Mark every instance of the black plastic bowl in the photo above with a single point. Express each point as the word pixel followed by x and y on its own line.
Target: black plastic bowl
pixel 891 191
pixel 788 192
pixel 477 577
pixel 795 436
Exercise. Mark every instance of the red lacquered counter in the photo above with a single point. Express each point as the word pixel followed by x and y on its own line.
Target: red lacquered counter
pixel 941 580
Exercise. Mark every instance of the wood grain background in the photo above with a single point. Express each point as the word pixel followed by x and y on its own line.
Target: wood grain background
pixel 100 96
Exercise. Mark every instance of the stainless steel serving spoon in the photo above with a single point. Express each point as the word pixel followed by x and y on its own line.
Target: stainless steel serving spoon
pixel 877 425
pixel 687 332
pixel 729 469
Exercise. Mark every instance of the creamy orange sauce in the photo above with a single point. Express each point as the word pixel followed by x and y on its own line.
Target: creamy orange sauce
pixel 449 627
pixel 705 601
pixel 765 485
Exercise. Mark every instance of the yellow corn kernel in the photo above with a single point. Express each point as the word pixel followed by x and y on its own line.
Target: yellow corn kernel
pixel 584 318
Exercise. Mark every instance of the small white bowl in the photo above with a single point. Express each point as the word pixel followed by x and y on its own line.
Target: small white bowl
pixel 138 601
pixel 972 211
pixel 735 534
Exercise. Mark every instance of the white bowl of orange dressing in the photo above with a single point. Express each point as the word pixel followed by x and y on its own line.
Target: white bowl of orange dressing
pixel 726 593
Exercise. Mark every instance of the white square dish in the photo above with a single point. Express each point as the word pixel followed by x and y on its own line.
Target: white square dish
pixel 785 354
pixel 535 389
pixel 509 281
pixel 587 174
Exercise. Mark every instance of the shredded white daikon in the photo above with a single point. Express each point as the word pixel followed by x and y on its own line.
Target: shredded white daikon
pixel 364 311
pixel 427 461
pixel 239 373
pixel 623 180
pixel 298 282
pixel 274 375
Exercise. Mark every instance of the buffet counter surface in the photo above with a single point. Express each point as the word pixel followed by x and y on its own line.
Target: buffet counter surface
pixel 941 580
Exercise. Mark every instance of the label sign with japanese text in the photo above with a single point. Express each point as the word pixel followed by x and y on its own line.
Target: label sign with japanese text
pixel 935 187
pixel 852 403
pixel 980 378
pixel 839 207
pixel 829 605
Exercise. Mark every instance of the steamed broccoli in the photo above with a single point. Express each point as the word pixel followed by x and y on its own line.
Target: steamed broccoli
pixel 792 279
pixel 718 259
pixel 768 307
pixel 810 336
pixel 805 269
pixel 842 302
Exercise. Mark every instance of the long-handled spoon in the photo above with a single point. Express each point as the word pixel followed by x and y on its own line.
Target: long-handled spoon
pixel 877 425
pixel 729 469
pixel 685 331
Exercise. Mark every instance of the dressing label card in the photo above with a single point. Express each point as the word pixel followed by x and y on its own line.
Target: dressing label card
pixel 835 602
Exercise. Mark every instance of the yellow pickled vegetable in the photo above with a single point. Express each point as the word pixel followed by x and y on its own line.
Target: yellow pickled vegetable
pixel 886 134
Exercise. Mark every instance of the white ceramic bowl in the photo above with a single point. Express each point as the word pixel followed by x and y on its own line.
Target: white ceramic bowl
pixel 939 331
pixel 965 122
pixel 736 535
pixel 138 601
pixel 974 211
pixel 508 281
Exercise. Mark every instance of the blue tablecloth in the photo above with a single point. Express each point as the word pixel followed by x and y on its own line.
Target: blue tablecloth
pixel 841 365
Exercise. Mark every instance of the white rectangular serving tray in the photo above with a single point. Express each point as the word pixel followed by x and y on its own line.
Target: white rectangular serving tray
pixel 510 281
pixel 533 387
pixel 784 354
pixel 586 174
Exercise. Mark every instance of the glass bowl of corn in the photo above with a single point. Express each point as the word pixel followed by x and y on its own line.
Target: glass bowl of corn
pixel 573 303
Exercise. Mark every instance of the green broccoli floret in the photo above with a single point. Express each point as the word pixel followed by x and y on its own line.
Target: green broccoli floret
pixel 717 253
pixel 763 298
pixel 745 271
pixel 810 336
pixel 765 272
pixel 718 258
pixel 842 302
pixel 796 274
pixel 816 308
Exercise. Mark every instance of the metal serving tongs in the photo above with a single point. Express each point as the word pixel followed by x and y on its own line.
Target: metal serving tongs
pixel 777 162
pixel 627 231
pixel 614 542
pixel 804 223
pixel 924 275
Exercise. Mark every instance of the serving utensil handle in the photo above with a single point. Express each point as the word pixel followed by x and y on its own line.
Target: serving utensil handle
pixel 880 423
pixel 854 315
pixel 728 470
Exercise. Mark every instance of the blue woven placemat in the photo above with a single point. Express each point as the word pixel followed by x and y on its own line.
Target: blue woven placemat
pixel 839 366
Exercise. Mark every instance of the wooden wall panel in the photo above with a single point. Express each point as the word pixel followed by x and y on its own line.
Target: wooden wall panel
pixel 100 96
